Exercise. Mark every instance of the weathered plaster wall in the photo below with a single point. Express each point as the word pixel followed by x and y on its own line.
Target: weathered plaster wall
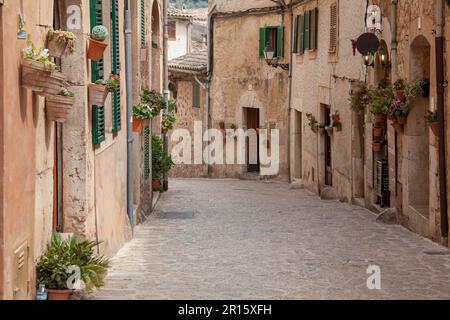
pixel 242 80
pixel 181 45
pixel 314 84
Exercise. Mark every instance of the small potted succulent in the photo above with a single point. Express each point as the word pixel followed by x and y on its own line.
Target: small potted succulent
pixel 431 119
pixel 312 122
pixel 97 44
pixel 58 107
pixel 39 74
pixel 161 163
pixel 60 42
pixel 98 91
pixel 57 268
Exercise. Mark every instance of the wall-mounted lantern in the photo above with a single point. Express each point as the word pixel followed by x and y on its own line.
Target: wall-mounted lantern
pixel 369 59
pixel 383 56
pixel 271 60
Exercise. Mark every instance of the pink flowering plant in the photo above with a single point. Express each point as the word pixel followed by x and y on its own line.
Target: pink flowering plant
pixel 399 109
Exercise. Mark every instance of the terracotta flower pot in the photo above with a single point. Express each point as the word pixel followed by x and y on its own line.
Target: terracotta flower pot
pixel 96 49
pixel 401 120
pixel 321 131
pixel 377 132
pixel 56 48
pixel 379 118
pixel 314 129
pixel 330 131
pixel 97 94
pixel 401 96
pixel 398 127
pixel 376 146
pixel 156 184
pixel 58 108
pixel 338 127
pixel 40 80
pixel 137 124
pixel 58 294
pixel 434 126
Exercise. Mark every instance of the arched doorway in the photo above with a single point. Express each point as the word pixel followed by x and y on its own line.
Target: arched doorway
pixel 417 153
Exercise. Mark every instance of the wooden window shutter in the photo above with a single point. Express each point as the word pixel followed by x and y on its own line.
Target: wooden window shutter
pixel 302 34
pixel 307 30
pixel 333 27
pixel 172 30
pixel 195 95
pixel 295 47
pixel 262 41
pixel 280 41
pixel 314 28
pixel 147 153
pixel 97 73
pixel 143 29
pixel 115 47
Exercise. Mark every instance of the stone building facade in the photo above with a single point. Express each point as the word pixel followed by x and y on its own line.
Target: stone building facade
pixel 65 177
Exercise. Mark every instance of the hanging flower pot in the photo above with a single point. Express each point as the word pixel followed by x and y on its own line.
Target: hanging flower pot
pixel 137 124
pixel 377 132
pixel 379 118
pixel 376 146
pixel 338 127
pixel 97 44
pixel 321 131
pixel 97 94
pixel 401 96
pixel 58 108
pixel 434 126
pixel 401 120
pixel 60 42
pixel 330 130
pixel 398 127
pixel 41 79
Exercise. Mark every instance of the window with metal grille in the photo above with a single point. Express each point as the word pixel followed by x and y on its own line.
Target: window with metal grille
pixel 143 29
pixel 97 73
pixel 195 95
pixel 333 27
pixel 115 68
pixel 172 29
pixel 147 153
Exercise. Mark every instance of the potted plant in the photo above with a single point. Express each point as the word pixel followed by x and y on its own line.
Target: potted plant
pixel 167 122
pixel 56 268
pixel 399 87
pixel 140 112
pixel 154 99
pixel 336 121
pixel 376 146
pixel 431 119
pixel 330 130
pixel 60 42
pixel 39 74
pixel 377 132
pixel 321 128
pixel 380 102
pixel 360 98
pixel 312 122
pixel 58 107
pixel 399 111
pixel 161 163
pixel 97 44
pixel 98 91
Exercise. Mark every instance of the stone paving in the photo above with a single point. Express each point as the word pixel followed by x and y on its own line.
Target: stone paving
pixel 232 239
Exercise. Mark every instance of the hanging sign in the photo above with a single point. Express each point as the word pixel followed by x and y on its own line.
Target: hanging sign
pixel 373 21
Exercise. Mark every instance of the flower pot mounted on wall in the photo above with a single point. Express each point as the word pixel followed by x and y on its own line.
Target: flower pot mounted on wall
pixel 41 80
pixel 96 49
pixel 398 127
pixel 137 124
pixel 401 120
pixel 58 108
pixel 379 118
pixel 156 184
pixel 97 94
pixel 376 146
pixel 377 132
pixel 330 131
pixel 434 126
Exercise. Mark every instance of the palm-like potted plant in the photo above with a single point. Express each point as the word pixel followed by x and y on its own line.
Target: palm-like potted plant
pixel 39 74
pixel 98 91
pixel 97 44
pixel 161 163
pixel 60 42
pixel 64 261
pixel 431 119
pixel 58 107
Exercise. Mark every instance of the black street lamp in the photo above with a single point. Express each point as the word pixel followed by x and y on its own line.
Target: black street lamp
pixel 271 60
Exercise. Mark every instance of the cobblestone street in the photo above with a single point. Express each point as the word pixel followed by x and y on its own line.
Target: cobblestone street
pixel 231 239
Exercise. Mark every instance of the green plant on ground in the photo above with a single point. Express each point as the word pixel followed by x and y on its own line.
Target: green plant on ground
pixel 161 161
pixel 63 37
pixel 53 270
pixel 99 33
pixel 66 92
pixel 431 117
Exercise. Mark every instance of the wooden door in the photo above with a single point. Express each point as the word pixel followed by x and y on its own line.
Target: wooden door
pixel 253 123
pixel 328 148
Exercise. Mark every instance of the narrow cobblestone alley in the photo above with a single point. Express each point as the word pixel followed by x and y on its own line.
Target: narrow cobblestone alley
pixel 231 239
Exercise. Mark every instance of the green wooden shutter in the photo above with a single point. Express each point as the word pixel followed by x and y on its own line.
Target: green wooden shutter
pixel 280 41
pixel 295 49
pixel 314 28
pixel 262 41
pixel 195 95
pixel 302 34
pixel 307 34
pixel 143 29
pixel 146 153
pixel 97 73
pixel 115 48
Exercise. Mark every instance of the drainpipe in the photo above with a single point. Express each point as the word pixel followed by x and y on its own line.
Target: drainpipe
pixel 129 89
pixel 394 43
pixel 166 86
pixel 440 83
pixel 291 65
pixel 209 71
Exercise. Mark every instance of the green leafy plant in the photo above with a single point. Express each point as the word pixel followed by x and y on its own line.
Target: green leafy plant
pixel 312 121
pixel 30 52
pixel 360 98
pixel 66 92
pixel 52 268
pixel 399 109
pixel 112 83
pixel 144 112
pixel 63 37
pixel 381 99
pixel 153 98
pixel 161 161
pixel 399 84
pixel 168 121
pixel 431 117
pixel 99 33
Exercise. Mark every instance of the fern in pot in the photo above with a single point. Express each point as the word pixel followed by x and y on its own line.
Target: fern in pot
pixel 70 265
